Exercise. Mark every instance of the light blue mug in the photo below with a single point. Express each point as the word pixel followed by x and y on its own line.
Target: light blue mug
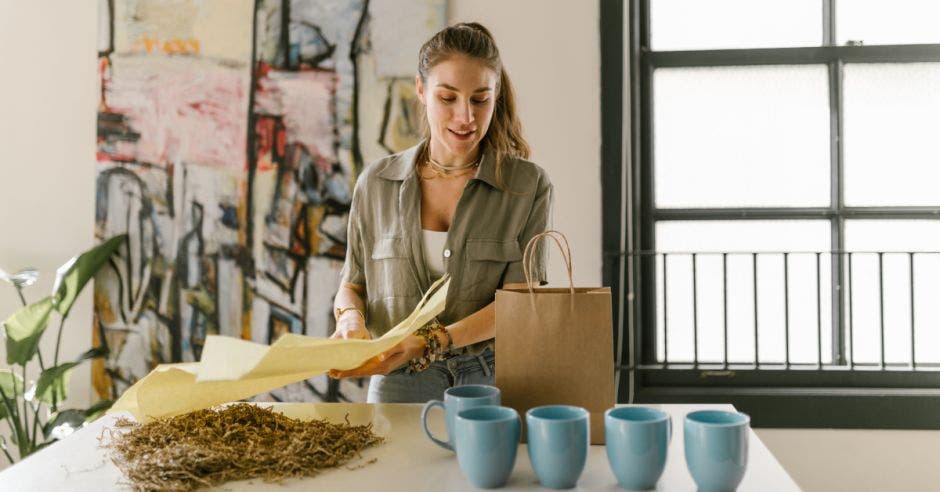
pixel 487 439
pixel 456 399
pixel 637 440
pixel 558 439
pixel 716 448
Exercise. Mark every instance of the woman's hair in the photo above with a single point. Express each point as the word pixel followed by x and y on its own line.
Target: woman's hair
pixel 504 136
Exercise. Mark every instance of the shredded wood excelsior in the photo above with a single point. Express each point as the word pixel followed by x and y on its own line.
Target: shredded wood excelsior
pixel 241 441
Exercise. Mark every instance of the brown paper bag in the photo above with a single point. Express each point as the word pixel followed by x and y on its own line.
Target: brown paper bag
pixel 555 346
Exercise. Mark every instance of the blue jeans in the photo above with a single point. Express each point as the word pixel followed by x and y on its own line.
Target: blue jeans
pixel 430 384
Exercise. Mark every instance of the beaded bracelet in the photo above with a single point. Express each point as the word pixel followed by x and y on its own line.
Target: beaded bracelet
pixel 433 349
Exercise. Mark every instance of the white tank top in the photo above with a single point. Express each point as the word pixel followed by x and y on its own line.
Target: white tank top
pixel 433 242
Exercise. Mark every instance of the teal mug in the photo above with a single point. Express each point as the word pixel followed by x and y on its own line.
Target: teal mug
pixel 558 440
pixel 716 448
pixel 456 399
pixel 487 439
pixel 637 441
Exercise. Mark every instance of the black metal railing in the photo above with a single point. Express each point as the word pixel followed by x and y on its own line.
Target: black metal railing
pixel 656 307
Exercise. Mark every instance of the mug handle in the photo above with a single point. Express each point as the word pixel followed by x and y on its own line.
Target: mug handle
pixel 669 430
pixel 424 423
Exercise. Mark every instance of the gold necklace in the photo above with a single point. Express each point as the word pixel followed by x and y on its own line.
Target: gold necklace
pixel 442 171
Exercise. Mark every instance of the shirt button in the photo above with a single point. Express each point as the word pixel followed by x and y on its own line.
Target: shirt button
pixel 446 253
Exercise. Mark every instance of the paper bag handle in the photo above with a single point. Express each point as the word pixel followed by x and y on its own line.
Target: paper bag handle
pixel 528 256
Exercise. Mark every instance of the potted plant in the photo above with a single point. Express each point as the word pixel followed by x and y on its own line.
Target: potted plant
pixel 31 407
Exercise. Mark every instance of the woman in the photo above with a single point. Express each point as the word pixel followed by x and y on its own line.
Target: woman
pixel 463 202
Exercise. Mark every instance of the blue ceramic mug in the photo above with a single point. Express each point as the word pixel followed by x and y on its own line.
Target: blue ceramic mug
pixel 637 440
pixel 487 439
pixel 558 439
pixel 456 399
pixel 716 448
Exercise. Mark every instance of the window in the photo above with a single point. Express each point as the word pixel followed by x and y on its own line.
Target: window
pixel 772 229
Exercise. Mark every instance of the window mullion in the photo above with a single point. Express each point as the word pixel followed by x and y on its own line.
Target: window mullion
pixel 829 22
pixel 646 305
pixel 837 220
pixel 915 53
pixel 644 301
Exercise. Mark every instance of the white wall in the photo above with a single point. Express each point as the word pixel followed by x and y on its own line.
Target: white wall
pixel 551 51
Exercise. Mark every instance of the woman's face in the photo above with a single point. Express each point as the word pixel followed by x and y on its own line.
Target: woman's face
pixel 459 95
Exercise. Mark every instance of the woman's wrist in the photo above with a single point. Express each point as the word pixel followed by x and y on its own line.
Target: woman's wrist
pixel 437 344
pixel 441 338
pixel 352 323
pixel 344 312
pixel 444 339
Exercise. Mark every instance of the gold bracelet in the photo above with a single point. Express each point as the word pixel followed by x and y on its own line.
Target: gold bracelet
pixel 337 312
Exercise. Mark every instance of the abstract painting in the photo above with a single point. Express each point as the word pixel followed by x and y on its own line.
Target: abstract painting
pixel 230 134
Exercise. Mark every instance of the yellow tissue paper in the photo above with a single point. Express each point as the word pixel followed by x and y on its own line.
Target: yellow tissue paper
pixel 232 369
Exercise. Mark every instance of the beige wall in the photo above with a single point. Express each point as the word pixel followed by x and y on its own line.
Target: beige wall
pixel 47 165
pixel 857 460
pixel 551 51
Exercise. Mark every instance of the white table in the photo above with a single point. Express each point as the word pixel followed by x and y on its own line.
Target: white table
pixel 406 461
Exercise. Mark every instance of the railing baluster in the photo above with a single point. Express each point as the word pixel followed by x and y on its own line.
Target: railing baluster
pixel 818 313
pixel 910 263
pixel 837 321
pixel 695 309
pixel 786 307
pixel 844 356
pixel 756 343
pixel 881 305
pixel 850 318
pixel 724 302
pixel 665 311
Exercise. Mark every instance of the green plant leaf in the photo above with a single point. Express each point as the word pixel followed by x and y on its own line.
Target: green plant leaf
pixel 24 328
pixel 54 382
pixel 96 410
pixel 94 353
pixel 63 423
pixel 11 383
pixel 75 273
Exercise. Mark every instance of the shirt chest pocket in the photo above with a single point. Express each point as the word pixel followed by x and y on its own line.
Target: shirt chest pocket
pixel 392 269
pixel 485 263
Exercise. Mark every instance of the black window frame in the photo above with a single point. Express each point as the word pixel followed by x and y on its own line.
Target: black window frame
pixel 814 397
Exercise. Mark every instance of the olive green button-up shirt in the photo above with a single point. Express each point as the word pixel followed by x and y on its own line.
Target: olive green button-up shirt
pixel 491 226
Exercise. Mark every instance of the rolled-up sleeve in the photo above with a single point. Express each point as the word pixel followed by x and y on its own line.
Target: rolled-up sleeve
pixel 539 221
pixel 352 267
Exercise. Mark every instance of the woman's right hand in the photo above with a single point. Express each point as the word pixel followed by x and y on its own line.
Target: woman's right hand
pixel 351 326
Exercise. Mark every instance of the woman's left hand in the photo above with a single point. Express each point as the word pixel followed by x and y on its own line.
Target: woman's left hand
pixel 387 361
